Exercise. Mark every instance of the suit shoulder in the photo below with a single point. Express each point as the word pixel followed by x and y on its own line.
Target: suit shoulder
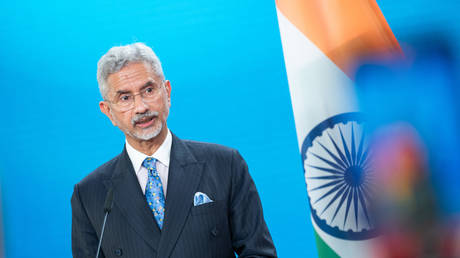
pixel 101 173
pixel 205 151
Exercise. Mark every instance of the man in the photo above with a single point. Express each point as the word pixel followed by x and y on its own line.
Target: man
pixel 171 197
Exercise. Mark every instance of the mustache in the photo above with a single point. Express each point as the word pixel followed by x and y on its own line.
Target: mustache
pixel 139 117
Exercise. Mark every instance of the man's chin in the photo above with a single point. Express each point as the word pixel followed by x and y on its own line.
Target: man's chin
pixel 146 136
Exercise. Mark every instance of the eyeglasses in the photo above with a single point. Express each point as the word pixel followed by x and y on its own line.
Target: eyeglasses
pixel 125 101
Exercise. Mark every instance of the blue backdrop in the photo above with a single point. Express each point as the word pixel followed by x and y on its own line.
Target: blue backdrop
pixel 229 86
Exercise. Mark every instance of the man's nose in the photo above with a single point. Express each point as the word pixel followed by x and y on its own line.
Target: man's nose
pixel 139 105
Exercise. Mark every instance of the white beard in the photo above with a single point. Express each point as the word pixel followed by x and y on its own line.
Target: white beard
pixel 145 136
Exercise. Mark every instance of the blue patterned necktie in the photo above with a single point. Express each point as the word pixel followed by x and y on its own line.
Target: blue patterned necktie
pixel 154 191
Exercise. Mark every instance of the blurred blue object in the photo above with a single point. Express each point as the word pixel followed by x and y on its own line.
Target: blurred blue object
pixel 420 89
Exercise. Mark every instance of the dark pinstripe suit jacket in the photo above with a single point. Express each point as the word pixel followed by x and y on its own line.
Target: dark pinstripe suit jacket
pixel 232 223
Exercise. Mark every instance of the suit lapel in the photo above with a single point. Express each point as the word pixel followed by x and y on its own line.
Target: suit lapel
pixel 183 180
pixel 129 199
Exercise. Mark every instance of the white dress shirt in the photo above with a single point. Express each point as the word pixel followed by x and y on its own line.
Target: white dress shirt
pixel 162 155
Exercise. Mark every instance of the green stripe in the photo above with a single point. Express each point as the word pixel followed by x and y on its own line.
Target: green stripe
pixel 324 251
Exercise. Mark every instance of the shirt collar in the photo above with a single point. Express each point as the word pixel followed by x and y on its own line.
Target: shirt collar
pixel 162 154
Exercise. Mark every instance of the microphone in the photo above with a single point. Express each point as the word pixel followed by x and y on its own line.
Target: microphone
pixel 107 208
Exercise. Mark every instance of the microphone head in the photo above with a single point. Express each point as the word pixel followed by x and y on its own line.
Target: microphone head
pixel 108 200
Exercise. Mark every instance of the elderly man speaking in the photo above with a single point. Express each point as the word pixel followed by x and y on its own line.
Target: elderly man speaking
pixel 168 197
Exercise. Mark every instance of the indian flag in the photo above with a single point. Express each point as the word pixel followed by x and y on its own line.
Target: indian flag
pixel 323 41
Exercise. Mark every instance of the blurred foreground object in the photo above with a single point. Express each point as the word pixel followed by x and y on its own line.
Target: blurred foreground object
pixel 414 123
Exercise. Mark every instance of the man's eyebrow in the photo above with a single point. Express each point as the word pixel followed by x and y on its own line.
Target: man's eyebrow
pixel 120 92
pixel 147 84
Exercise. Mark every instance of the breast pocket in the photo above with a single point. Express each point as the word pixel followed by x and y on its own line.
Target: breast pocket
pixel 215 207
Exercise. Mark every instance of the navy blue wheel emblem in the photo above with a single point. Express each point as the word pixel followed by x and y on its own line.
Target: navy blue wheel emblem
pixel 339 176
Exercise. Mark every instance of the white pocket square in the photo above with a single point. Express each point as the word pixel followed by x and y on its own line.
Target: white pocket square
pixel 201 198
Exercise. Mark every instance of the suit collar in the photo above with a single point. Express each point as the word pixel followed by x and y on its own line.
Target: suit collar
pixel 180 153
pixel 128 197
pixel 184 177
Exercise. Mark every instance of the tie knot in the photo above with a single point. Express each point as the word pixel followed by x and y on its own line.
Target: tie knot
pixel 150 163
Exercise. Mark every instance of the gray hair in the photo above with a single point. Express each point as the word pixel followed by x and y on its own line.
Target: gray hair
pixel 118 57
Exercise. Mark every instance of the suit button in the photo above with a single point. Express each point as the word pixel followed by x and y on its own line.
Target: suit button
pixel 215 232
pixel 118 252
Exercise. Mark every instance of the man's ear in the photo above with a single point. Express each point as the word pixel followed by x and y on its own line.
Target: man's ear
pixel 105 108
pixel 168 91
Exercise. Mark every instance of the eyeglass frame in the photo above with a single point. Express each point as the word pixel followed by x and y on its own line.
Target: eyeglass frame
pixel 143 90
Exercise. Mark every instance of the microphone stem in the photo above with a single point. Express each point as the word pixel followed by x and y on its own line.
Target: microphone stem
pixel 102 234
